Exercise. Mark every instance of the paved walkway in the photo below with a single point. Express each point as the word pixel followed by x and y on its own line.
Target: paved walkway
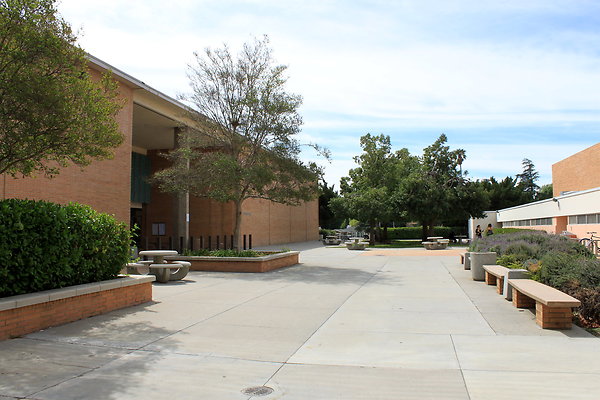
pixel 342 325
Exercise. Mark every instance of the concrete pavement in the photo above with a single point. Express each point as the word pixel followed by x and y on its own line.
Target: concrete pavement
pixel 341 325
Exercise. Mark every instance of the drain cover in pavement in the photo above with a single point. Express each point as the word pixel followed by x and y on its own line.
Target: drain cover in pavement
pixel 258 391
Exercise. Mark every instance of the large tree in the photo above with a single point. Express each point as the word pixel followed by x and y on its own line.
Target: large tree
pixel 51 112
pixel 438 188
pixel 246 146
pixel 368 192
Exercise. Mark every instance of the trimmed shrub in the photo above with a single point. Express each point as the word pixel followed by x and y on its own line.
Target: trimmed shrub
pixel 414 232
pixel 47 246
pixel 224 253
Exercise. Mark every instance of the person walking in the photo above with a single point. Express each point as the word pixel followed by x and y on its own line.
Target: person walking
pixel 489 230
pixel 478 232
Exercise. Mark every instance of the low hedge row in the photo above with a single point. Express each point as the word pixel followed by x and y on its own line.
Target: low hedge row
pixel 47 246
pixel 414 232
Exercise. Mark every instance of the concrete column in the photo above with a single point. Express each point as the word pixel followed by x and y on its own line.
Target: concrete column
pixel 181 206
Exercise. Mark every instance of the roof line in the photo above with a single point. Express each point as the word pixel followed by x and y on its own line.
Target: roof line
pixel 556 198
pixel 134 81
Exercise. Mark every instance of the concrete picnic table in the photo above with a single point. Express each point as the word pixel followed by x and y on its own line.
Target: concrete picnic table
pixel 161 268
pixel 355 244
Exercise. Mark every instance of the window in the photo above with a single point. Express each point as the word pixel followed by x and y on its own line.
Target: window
pixel 584 219
pixel 158 229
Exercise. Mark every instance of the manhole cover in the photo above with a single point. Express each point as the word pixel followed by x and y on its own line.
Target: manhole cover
pixel 258 391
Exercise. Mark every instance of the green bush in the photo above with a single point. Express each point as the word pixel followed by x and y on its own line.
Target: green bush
pixel 589 311
pixel 501 231
pixel 414 232
pixel 327 232
pixel 47 246
pixel 561 270
pixel 529 244
pixel 224 253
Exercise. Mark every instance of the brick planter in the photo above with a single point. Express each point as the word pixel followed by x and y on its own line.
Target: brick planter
pixel 241 264
pixel 23 314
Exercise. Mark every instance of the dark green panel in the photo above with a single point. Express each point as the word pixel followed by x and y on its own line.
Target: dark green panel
pixel 140 172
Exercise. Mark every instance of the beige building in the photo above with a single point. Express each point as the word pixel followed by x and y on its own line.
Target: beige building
pixel 575 206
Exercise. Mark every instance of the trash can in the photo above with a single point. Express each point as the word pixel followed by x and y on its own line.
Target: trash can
pixel 478 260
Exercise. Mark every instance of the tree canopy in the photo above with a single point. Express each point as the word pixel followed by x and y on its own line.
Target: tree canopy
pixel 393 186
pixel 437 188
pixel 246 146
pixel 368 192
pixel 527 178
pixel 52 112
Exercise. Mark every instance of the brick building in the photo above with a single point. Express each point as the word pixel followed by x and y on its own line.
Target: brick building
pixel 575 206
pixel 150 122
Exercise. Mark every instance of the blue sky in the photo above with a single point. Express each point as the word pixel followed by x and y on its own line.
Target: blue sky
pixel 504 80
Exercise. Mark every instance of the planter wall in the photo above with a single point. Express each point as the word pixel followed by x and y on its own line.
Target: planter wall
pixel 241 264
pixel 27 313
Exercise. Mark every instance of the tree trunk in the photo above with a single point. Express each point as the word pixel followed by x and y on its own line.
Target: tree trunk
pixel 371 233
pixel 430 226
pixel 385 233
pixel 426 229
pixel 238 225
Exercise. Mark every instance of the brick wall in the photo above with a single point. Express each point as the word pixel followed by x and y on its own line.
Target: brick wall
pixel 23 320
pixel 576 172
pixel 267 222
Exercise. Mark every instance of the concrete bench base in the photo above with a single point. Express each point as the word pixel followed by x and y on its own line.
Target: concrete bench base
pixel 434 245
pixel 355 246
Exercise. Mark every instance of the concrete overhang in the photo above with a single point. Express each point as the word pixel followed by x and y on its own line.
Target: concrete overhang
pixel 155 114
pixel 577 203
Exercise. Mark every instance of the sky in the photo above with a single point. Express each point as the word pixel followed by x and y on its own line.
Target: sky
pixel 504 79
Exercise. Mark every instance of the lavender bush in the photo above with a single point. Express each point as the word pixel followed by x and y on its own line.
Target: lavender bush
pixel 553 260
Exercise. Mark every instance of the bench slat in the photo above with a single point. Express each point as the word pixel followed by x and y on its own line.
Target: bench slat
pixel 544 294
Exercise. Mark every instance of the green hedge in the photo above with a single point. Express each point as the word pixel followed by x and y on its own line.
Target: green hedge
pixel 46 246
pixel 415 232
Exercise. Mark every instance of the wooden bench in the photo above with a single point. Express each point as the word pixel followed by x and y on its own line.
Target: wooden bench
pixel 494 275
pixel 553 308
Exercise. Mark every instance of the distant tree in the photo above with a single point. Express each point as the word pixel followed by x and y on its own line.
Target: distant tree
pixel 527 179
pixel 503 194
pixel 51 112
pixel 438 188
pixel 327 218
pixel 246 147
pixel 545 192
pixel 368 190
